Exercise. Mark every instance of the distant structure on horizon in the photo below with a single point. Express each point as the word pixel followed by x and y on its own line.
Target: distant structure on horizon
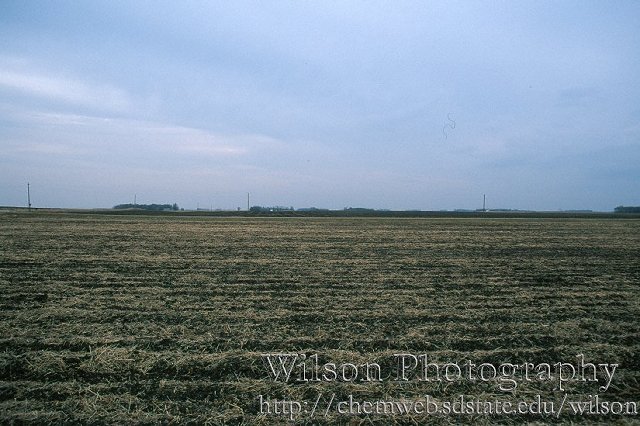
pixel 264 209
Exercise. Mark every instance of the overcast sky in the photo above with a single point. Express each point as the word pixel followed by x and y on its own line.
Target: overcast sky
pixel 400 105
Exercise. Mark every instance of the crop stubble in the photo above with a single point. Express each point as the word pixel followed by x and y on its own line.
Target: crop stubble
pixel 154 318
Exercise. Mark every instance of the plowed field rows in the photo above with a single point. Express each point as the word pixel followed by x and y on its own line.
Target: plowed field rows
pixel 146 319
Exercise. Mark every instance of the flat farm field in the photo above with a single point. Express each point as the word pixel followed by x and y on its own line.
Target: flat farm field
pixel 152 319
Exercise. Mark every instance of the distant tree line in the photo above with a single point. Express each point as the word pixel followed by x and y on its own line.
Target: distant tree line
pixel 623 209
pixel 152 207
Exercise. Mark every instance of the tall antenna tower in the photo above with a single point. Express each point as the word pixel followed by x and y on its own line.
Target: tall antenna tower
pixel 484 202
pixel 29 196
pixel 134 199
pixel 247 201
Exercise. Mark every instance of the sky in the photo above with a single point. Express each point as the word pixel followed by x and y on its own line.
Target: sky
pixel 383 104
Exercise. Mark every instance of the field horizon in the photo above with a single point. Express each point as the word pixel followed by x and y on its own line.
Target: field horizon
pixel 352 212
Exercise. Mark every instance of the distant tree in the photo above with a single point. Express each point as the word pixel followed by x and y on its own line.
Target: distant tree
pixel 623 209
pixel 152 207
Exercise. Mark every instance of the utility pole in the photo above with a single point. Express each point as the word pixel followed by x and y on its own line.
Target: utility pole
pixel 247 201
pixel 484 202
pixel 29 196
